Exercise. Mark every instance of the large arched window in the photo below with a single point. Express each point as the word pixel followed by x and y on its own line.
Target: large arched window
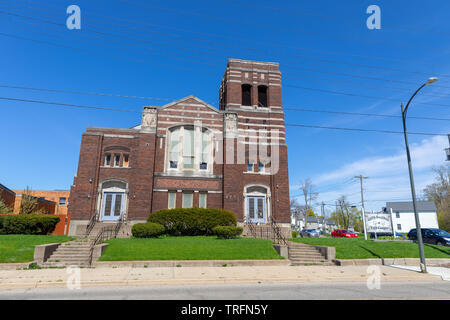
pixel 246 95
pixel 189 149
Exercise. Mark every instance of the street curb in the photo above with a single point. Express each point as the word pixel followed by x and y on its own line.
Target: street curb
pixel 63 284
pixel 189 263
pixel 391 261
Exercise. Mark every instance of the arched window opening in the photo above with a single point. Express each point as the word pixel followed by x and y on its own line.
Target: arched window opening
pixel 189 149
pixel 262 96
pixel 246 95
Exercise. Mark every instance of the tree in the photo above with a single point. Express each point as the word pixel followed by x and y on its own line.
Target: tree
pixel 4 209
pixel 439 192
pixel 309 195
pixel 347 215
pixel 297 210
pixel 29 204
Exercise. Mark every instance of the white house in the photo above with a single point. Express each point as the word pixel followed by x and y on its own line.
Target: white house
pixel 403 218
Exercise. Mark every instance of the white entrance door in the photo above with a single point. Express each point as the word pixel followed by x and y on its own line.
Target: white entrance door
pixel 256 209
pixel 112 206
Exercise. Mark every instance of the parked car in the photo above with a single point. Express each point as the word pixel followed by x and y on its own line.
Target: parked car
pixel 385 234
pixel 309 233
pixel 432 236
pixel 342 233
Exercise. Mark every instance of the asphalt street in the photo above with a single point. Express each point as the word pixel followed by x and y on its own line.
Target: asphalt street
pixel 278 291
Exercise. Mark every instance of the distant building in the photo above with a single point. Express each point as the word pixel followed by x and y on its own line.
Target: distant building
pixel 298 223
pixel 53 201
pixel 403 218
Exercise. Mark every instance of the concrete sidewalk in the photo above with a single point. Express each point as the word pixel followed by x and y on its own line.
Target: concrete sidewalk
pixel 42 278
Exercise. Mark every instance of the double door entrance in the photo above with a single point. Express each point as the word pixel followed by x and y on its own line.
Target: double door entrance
pixel 256 209
pixel 112 206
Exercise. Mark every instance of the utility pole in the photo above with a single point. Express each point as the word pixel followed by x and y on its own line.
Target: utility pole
pixel 360 177
pixel 447 151
pixel 323 216
pixel 363 209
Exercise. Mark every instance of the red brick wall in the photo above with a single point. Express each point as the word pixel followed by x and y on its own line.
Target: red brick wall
pixel 7 195
pixel 146 150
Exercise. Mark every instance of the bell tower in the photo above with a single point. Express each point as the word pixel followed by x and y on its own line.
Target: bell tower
pixel 251 85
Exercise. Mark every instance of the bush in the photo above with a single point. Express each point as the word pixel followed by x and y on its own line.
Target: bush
pixel 295 234
pixel 147 230
pixel 192 221
pixel 227 232
pixel 27 224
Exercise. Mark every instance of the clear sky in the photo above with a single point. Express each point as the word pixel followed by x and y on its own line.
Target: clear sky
pixel 328 57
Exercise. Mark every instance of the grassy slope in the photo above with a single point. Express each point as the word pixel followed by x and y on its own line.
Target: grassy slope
pixel 20 248
pixel 188 248
pixel 363 249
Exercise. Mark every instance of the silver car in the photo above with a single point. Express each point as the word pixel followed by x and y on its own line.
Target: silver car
pixel 309 233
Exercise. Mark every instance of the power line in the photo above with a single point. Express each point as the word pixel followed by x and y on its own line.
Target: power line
pixel 232 38
pixel 363 130
pixel 312 14
pixel 294 67
pixel 293 125
pixel 198 71
pixel 255 49
pixel 84 92
pixel 267 26
pixel 361 114
pixel 165 99
pixel 360 95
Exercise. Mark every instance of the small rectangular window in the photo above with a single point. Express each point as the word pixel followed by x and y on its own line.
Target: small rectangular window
pixel 399 227
pixel 117 160
pixel 397 215
pixel 202 200
pixel 187 200
pixel 125 160
pixel 172 200
pixel 107 159
pixel 260 167
pixel 62 201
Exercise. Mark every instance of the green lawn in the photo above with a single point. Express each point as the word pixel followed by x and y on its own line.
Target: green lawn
pixel 188 248
pixel 20 248
pixel 363 249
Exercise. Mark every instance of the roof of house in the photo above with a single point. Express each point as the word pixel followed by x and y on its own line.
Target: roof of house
pixel 407 206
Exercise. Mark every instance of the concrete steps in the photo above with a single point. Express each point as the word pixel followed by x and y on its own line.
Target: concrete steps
pixel 73 253
pixel 303 254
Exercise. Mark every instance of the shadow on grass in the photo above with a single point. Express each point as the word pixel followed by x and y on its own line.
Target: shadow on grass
pixel 371 252
pixel 438 249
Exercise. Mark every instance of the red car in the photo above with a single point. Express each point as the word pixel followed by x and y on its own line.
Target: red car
pixel 342 233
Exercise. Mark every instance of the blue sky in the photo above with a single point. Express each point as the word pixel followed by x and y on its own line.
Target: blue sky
pixel 328 57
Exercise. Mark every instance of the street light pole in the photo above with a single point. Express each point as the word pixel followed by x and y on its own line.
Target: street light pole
pixel 423 266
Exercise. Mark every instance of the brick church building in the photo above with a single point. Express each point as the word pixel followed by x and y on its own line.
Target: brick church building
pixel 189 154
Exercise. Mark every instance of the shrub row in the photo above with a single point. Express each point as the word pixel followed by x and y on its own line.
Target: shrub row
pixel 192 221
pixel 147 230
pixel 27 224
pixel 227 232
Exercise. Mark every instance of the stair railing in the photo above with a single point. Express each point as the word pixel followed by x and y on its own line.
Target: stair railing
pixel 106 233
pixel 91 224
pixel 277 233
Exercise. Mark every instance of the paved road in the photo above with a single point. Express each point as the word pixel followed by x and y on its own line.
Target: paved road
pixel 284 291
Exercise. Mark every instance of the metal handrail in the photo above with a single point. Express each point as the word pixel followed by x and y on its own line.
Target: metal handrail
pixel 277 232
pixel 106 233
pixel 91 224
